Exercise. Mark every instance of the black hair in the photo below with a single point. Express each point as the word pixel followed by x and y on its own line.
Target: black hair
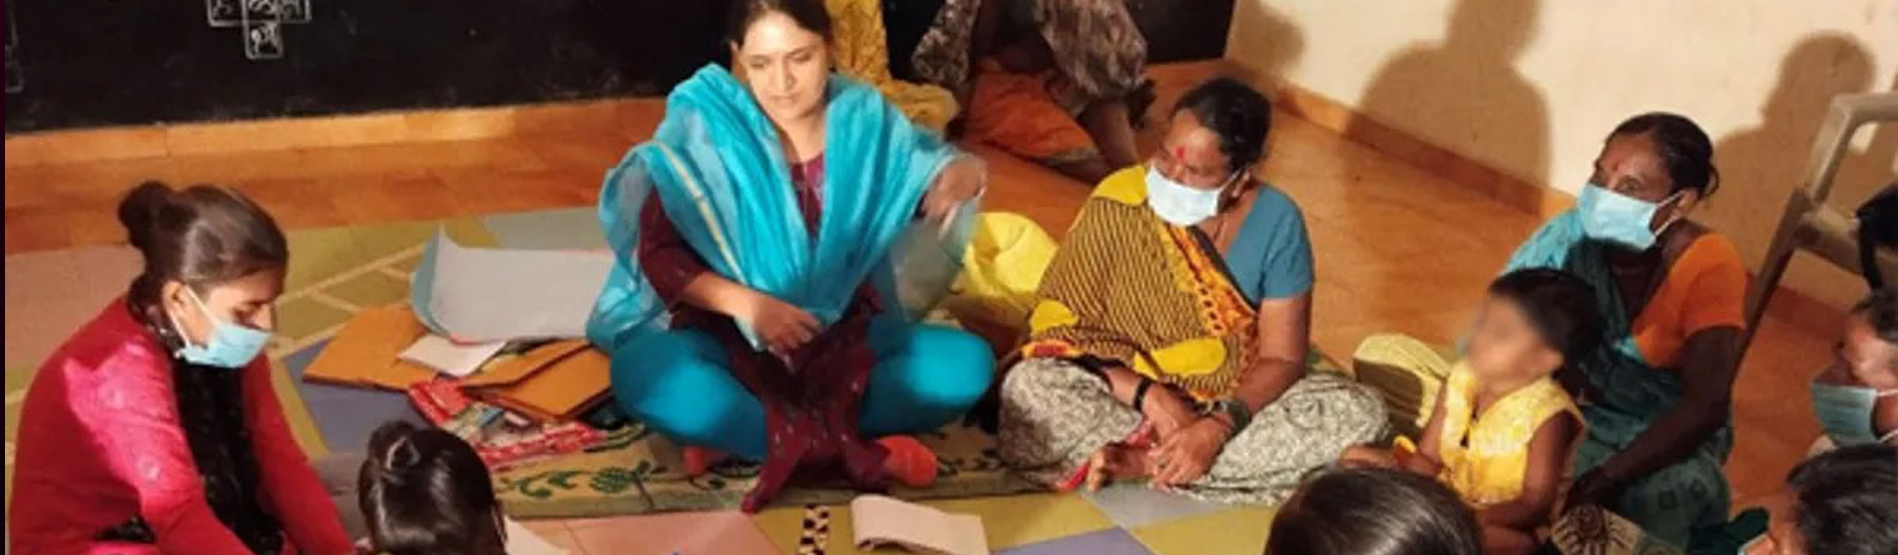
pixel 809 14
pixel 1683 147
pixel 1240 115
pixel 1845 501
pixel 1373 511
pixel 1560 306
pixel 425 491
pixel 1880 309
pixel 204 236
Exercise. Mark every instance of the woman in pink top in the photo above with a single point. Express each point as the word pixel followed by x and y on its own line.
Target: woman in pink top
pixel 154 429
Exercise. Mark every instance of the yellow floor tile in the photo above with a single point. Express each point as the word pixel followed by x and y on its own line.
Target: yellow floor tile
pixel 1239 531
pixel 1010 521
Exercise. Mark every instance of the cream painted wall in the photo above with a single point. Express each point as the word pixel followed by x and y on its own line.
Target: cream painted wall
pixel 1531 87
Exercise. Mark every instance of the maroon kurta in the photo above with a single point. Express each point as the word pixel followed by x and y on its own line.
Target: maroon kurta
pixel 811 405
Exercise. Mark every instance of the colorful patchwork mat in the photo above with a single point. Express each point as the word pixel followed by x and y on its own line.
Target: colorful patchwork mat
pixel 336 272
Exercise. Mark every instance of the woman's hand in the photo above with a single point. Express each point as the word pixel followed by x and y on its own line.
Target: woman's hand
pixel 958 182
pixel 783 326
pixel 1596 488
pixel 1186 456
pixel 1166 410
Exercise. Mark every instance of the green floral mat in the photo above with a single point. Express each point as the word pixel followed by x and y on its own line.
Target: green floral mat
pixel 640 472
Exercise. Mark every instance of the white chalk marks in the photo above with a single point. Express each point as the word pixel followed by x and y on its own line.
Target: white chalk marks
pixel 261 22
pixel 16 73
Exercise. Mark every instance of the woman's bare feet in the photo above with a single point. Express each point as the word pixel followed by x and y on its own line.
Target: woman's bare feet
pixel 1117 461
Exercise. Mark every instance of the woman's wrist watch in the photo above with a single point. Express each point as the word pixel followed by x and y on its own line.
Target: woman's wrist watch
pixel 1235 410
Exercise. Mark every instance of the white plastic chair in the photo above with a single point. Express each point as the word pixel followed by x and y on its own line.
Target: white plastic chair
pixel 1810 224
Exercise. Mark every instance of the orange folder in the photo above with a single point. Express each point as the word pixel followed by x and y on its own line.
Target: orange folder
pixel 364 353
pixel 553 382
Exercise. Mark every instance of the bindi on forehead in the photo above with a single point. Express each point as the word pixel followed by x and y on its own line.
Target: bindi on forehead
pixel 1204 154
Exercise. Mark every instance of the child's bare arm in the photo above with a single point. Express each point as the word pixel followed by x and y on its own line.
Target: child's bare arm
pixel 1428 460
pixel 1541 482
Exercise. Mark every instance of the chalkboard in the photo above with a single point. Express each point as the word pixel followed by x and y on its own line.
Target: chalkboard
pixel 90 63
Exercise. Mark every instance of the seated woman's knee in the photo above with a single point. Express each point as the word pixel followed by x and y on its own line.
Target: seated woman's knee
pixel 966 364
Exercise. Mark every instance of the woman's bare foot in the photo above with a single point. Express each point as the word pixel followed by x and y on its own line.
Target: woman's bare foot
pixel 1117 461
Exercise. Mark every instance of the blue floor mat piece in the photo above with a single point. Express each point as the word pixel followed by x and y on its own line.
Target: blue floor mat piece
pixel 346 415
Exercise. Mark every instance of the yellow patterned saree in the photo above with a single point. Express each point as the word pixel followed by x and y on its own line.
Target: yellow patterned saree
pixel 861 50
pixel 1128 288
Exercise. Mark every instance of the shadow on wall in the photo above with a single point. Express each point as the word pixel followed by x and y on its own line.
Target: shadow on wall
pixel 1283 43
pixel 1762 165
pixel 1465 94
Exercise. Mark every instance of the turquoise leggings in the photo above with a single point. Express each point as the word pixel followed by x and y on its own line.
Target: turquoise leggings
pixel 679 383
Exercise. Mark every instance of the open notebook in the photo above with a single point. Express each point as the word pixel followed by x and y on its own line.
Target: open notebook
pixel 881 521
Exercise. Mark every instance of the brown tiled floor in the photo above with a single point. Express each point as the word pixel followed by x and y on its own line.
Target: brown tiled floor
pixel 1399 248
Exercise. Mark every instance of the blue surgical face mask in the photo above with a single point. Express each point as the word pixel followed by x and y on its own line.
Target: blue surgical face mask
pixel 231 345
pixel 1618 218
pixel 1180 204
pixel 1845 412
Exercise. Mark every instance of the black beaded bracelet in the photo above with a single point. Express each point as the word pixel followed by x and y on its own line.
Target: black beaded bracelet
pixel 1140 394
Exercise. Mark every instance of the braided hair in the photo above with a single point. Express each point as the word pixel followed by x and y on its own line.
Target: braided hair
pixel 204 236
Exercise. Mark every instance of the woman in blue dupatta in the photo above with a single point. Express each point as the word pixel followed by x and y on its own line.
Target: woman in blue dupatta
pixel 766 239
pixel 1656 397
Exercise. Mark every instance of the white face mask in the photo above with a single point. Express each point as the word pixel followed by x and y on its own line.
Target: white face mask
pixel 1622 219
pixel 1180 204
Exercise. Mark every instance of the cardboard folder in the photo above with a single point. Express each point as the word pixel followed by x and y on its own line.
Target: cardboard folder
pixel 550 383
pixel 366 352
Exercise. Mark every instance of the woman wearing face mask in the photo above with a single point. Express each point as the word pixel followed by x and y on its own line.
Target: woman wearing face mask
pixel 155 429
pixel 1656 396
pixel 1856 398
pixel 764 219
pixel 1171 339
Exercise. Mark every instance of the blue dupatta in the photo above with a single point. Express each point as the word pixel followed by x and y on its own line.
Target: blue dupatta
pixel 1627 394
pixel 718 166
pixel 1632 391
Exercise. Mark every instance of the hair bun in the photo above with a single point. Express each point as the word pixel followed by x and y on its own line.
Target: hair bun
pixel 139 211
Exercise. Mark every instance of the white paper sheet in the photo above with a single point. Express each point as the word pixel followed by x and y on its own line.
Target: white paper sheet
pixel 448 357
pixel 522 541
pixel 482 295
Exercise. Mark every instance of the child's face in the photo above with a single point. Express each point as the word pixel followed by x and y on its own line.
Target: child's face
pixel 1872 361
pixel 1504 344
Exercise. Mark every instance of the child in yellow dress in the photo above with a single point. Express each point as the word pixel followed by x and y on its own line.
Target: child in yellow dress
pixel 1503 430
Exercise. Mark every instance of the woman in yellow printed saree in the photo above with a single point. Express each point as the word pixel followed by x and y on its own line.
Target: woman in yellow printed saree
pixel 860 50
pixel 1172 334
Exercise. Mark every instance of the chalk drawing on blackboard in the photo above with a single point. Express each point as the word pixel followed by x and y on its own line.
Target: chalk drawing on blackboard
pixel 224 13
pixel 16 74
pixel 261 21
pixel 294 11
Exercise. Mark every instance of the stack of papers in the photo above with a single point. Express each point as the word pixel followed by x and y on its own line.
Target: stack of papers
pixel 448 357
pixel 367 352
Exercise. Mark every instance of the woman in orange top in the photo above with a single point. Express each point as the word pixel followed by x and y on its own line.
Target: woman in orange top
pixel 1656 395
